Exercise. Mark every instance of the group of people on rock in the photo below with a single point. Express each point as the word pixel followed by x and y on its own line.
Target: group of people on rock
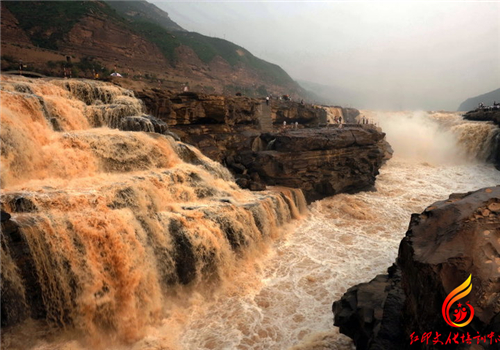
pixel 489 108
pixel 365 121
pixel 295 125
pixel 338 120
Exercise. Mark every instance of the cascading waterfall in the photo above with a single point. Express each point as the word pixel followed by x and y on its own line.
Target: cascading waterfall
pixel 109 227
pixel 459 140
pixel 332 113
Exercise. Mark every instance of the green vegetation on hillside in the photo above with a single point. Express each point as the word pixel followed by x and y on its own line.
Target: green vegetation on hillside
pixel 207 48
pixel 144 11
pixel 46 22
pixel 165 41
pixel 157 27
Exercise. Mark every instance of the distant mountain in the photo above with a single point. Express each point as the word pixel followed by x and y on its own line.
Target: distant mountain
pixel 487 99
pixel 136 39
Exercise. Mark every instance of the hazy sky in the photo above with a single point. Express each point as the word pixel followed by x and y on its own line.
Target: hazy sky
pixel 404 54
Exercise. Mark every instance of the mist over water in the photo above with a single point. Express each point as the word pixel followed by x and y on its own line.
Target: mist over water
pixel 435 137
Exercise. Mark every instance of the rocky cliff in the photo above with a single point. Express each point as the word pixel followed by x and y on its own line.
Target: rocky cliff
pixel 449 241
pixel 484 115
pixel 320 161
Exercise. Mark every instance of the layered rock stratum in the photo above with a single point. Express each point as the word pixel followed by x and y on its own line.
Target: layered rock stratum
pixel 322 161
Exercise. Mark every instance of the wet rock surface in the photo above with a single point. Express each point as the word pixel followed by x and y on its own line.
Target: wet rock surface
pixel 446 243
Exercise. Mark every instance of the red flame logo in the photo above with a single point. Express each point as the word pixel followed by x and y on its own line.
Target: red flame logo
pixel 461 311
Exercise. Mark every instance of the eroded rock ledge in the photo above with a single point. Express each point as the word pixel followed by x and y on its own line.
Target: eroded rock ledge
pixel 322 162
pixel 448 241
pixel 236 131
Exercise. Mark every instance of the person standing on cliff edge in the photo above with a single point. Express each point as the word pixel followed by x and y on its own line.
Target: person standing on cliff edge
pixel 267 100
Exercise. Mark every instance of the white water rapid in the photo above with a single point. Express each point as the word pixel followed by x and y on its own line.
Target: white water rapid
pixel 346 240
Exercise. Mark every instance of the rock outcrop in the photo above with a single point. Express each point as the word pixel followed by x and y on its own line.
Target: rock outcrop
pixel 445 244
pixel 320 161
pixel 484 115
pixel 291 112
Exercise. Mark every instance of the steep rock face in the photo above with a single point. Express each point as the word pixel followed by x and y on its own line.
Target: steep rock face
pixel 304 114
pixel 444 245
pixel 322 162
pixel 190 108
pixel 97 37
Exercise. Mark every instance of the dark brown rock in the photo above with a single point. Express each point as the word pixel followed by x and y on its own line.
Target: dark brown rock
pixel 291 112
pixel 484 115
pixel 322 162
pixel 20 297
pixel 370 313
pixel 444 245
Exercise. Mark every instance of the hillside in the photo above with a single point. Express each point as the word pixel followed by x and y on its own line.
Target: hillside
pixel 144 11
pixel 487 99
pixel 134 38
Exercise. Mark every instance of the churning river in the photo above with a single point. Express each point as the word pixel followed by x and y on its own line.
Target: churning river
pixel 345 240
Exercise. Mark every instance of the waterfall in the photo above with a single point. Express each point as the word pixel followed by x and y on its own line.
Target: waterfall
pixel 108 225
pixel 440 137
